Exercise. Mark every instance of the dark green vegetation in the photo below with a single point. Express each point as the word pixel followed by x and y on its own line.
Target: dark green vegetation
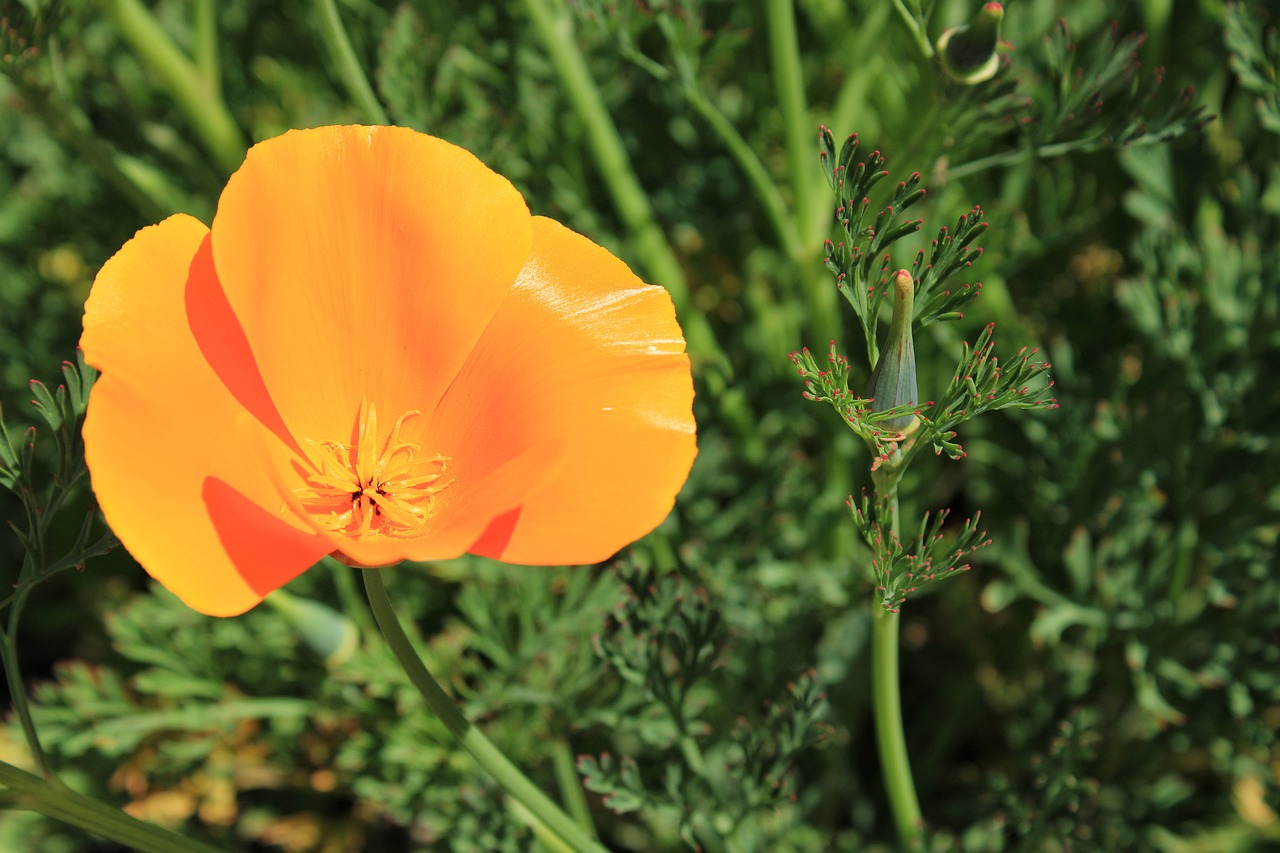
pixel 1106 677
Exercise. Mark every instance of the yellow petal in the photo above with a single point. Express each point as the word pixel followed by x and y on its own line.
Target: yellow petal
pixel 165 441
pixel 582 353
pixel 364 262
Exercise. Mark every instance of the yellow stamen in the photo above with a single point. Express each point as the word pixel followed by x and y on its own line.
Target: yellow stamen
pixel 361 491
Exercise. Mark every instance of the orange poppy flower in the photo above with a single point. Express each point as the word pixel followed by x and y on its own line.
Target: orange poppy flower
pixel 376 352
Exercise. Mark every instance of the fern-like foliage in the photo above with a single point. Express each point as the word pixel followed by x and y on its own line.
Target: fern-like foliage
pixel 63 410
pixel 899 569
pixel 1255 59
pixel 862 262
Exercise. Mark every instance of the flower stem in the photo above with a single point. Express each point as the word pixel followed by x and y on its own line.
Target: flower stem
pixel 17 690
pixel 570 784
pixel 890 737
pixel 911 18
pixel 347 64
pixel 784 50
pixel 887 698
pixel 468 736
pixel 800 132
pixel 754 170
pixel 1018 155
pixel 204 45
pixel 55 800
pixel 207 112
pixel 653 251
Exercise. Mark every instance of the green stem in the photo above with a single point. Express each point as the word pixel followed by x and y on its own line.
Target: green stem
pixel 800 133
pixel 753 168
pixel 775 207
pixel 917 30
pixel 890 736
pixel 1018 155
pixel 1187 539
pixel 556 31
pixel 887 699
pixel 207 113
pixel 205 46
pixel 784 50
pixel 55 800
pixel 852 109
pixel 479 747
pixel 17 690
pixel 346 64
pixel 570 784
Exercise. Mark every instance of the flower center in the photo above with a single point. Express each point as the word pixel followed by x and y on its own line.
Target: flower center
pixel 361 490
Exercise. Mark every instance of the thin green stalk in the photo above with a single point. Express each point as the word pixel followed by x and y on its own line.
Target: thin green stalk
pixel 800 133
pixel 775 207
pixel 917 31
pixel 753 168
pixel 547 841
pixel 18 690
pixel 654 252
pixel 1184 562
pixel 55 800
pixel 207 113
pixel 346 64
pixel 488 756
pixel 1018 155
pixel 890 736
pixel 887 698
pixel 570 784
pixel 852 109
pixel 204 46
pixel 788 78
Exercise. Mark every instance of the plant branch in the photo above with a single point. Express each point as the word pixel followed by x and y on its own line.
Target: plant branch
pixel 206 111
pixel 757 175
pixel 570 783
pixel 205 46
pixel 890 736
pixel 1019 155
pixel 788 77
pixel 479 747
pixel 17 690
pixel 916 28
pixel 346 65
pixel 55 800
pixel 886 690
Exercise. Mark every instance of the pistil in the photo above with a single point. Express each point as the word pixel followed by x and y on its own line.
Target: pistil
pixel 366 489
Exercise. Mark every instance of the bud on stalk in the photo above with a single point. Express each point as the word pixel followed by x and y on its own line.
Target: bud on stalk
pixel 968 52
pixel 893 382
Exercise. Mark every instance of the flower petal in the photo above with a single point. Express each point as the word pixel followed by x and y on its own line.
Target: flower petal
pixel 584 353
pixel 165 440
pixel 488 489
pixel 364 262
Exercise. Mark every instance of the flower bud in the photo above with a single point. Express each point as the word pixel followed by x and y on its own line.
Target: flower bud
pixel 968 52
pixel 329 634
pixel 893 382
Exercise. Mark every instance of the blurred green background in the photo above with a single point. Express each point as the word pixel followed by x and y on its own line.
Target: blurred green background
pixel 1107 678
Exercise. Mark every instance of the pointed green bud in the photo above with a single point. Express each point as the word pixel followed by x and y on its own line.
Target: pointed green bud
pixel 329 634
pixel 968 52
pixel 893 382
